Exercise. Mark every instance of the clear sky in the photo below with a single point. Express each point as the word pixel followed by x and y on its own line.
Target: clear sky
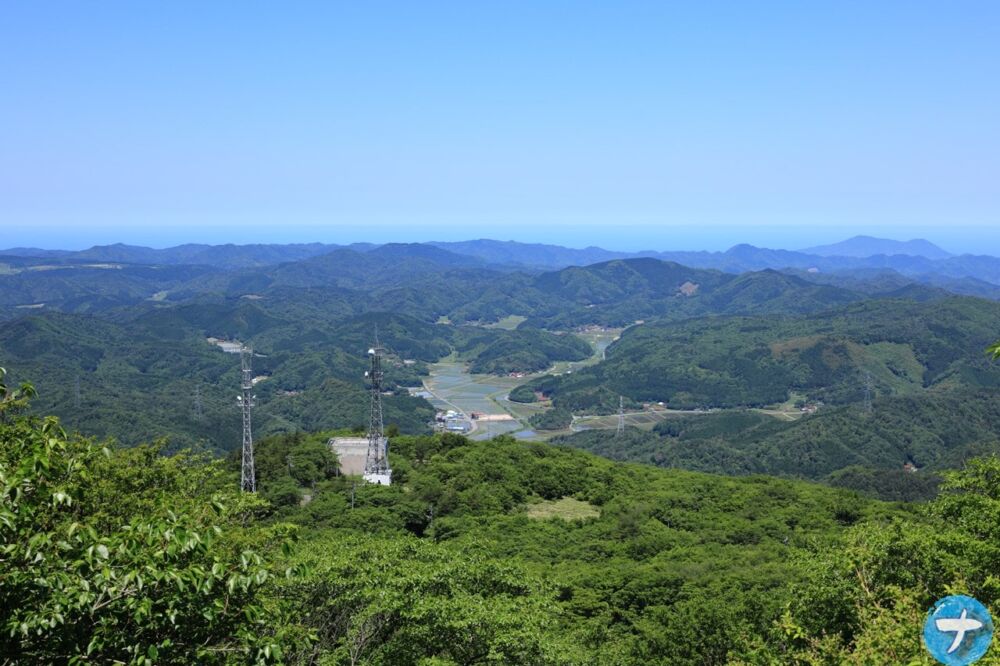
pixel 626 124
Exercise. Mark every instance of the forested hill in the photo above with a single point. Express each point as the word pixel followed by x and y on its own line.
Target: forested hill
pixel 917 260
pixel 428 282
pixel 133 335
pixel 895 452
pixel 905 346
pixel 522 553
pixel 530 553
pixel 155 373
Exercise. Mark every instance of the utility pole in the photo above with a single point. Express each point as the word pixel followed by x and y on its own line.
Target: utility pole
pixel 376 462
pixel 248 477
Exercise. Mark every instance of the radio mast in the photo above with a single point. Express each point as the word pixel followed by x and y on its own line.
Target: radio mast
pixel 248 477
pixel 376 463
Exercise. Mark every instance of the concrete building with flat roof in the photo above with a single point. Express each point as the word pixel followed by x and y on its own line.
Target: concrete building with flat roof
pixel 351 454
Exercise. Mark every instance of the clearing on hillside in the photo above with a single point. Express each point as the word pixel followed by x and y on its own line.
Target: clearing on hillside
pixel 566 508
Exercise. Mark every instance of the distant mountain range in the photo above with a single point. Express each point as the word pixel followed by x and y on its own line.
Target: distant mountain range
pixel 914 261
pixel 133 322
pixel 867 246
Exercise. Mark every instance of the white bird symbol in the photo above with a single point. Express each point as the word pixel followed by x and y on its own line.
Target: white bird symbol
pixel 960 625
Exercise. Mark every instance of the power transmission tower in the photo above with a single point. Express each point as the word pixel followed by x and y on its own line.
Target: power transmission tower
pixel 248 477
pixel 197 402
pixel 376 463
pixel 869 408
pixel 621 417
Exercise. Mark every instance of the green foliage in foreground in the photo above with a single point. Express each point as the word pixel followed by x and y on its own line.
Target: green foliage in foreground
pixel 618 586
pixel 127 556
pixel 865 604
pixel 132 556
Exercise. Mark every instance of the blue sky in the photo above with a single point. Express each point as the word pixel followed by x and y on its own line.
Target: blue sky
pixel 626 124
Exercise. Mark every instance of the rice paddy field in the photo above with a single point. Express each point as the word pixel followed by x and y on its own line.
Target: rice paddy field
pixel 451 387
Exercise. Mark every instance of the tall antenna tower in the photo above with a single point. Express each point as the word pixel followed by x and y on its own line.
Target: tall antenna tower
pixel 869 408
pixel 621 417
pixel 248 477
pixel 376 463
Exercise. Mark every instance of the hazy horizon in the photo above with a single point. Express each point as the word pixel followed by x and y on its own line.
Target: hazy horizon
pixel 957 240
pixel 631 126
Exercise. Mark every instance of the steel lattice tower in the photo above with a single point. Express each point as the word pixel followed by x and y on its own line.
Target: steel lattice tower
pixel 869 408
pixel 248 477
pixel 621 417
pixel 376 463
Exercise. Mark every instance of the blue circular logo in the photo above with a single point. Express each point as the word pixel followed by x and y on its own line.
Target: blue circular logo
pixel 958 630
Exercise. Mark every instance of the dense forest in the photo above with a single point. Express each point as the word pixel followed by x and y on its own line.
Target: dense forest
pixel 496 552
pixel 155 374
pixel 905 346
pixel 784 540
pixel 894 452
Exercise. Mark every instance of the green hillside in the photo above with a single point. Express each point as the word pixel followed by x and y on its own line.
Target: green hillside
pixel 905 346
pixel 844 446
pixel 154 372
pixel 466 555
pixel 136 383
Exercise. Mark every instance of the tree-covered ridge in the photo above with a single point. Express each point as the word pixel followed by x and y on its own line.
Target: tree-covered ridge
pixel 906 346
pixel 130 555
pixel 152 371
pixel 136 382
pixel 526 350
pixel 418 280
pixel 368 265
pixel 895 452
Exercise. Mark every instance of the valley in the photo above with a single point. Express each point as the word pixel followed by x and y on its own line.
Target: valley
pixel 554 350
pixel 772 424
pixel 500 334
